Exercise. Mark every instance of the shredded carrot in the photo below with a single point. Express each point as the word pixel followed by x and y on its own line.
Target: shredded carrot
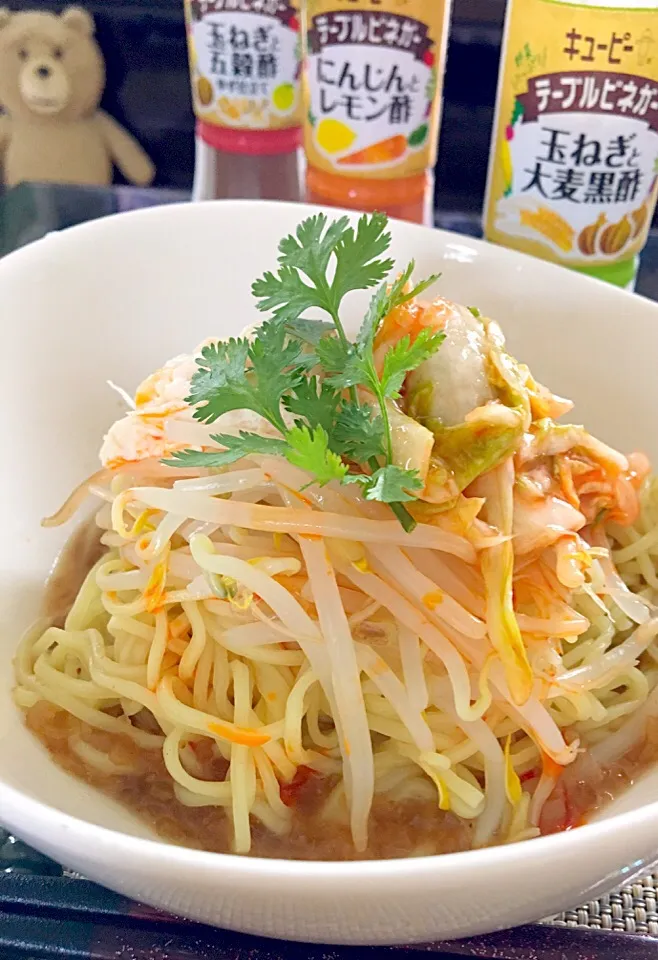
pixel 299 496
pixel 433 600
pixel 550 768
pixel 155 588
pixel 161 413
pixel 243 736
pixel 566 482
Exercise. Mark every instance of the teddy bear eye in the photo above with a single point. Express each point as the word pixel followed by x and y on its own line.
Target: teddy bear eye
pixel 58 53
pixel 22 54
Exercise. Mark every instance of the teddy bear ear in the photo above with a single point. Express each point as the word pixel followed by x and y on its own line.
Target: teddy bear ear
pixel 5 16
pixel 78 19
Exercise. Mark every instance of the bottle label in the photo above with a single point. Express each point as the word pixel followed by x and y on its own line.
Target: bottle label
pixel 574 174
pixel 373 85
pixel 245 62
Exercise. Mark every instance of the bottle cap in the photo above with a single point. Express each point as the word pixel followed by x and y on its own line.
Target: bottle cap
pixel 253 142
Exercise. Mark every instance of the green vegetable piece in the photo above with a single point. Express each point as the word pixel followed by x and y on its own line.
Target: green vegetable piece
pixel 465 451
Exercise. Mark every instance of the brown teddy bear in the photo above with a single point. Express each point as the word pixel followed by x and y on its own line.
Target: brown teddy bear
pixel 52 76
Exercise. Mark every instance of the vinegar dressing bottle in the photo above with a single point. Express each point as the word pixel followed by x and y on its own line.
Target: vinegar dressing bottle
pixel 574 156
pixel 373 79
pixel 245 66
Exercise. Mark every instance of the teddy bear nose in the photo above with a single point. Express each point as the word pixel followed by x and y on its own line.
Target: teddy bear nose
pixel 43 72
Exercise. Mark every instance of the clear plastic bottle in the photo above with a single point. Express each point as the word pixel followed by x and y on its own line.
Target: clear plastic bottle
pixel 574 155
pixel 245 66
pixel 373 79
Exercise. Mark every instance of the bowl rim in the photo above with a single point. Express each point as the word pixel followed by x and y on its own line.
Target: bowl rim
pixel 189 208
pixel 43 818
pixel 380 871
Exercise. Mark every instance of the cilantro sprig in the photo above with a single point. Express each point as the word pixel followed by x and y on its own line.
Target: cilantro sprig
pixel 302 280
pixel 336 392
pixel 261 376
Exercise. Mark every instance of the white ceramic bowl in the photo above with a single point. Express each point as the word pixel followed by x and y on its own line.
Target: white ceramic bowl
pixel 112 300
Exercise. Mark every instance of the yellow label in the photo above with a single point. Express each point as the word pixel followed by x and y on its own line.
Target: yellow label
pixel 372 86
pixel 245 62
pixel 572 175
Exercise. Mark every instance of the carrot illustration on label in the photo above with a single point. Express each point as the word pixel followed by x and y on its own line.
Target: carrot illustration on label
pixel 384 151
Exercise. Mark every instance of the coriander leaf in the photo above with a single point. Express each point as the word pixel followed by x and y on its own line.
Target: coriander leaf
pixel 272 339
pixel 357 266
pixel 333 354
pixel 307 361
pixel 220 383
pixel 389 484
pixel 245 443
pixel 271 348
pixel 317 406
pixel 312 246
pixel 286 294
pixel 225 382
pixel 358 370
pixel 380 305
pixel 474 310
pixel 357 434
pixel 420 287
pixel 406 356
pixel 273 359
pixel 236 448
pixel 310 331
pixel 309 450
pixel 302 279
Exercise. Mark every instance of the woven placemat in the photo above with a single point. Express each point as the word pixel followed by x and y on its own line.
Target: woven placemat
pixel 632 909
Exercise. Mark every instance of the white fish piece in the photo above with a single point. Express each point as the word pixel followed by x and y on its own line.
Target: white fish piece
pixel 457 372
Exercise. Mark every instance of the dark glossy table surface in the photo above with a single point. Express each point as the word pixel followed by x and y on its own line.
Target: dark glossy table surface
pixel 46 912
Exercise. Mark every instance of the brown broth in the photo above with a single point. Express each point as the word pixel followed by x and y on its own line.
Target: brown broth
pixel 78 556
pixel 395 828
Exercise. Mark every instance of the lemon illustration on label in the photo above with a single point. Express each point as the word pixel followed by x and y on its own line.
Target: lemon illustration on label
pixel 334 136
pixel 283 97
